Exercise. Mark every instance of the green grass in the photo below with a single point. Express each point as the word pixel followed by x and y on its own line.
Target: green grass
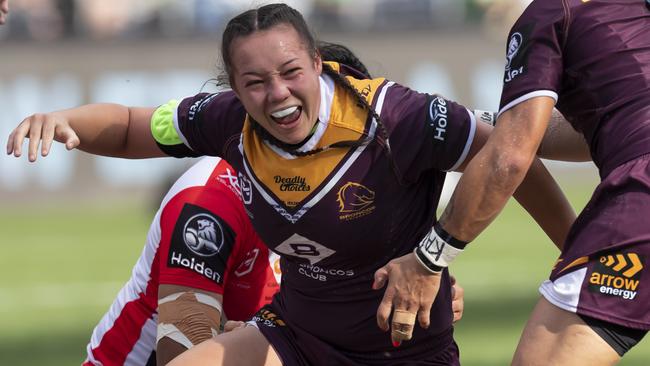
pixel 61 267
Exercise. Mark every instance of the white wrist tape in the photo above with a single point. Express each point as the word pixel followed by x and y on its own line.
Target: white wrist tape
pixel 486 116
pixel 436 251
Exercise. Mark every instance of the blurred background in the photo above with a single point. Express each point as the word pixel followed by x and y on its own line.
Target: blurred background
pixel 72 225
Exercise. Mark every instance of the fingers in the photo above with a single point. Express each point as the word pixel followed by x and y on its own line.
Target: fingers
pixel 68 137
pixel 35 133
pixel 4 9
pixel 16 138
pixel 41 129
pixel 48 137
pixel 458 302
pixel 402 326
pixel 233 325
pixel 424 314
pixel 381 276
pixel 385 307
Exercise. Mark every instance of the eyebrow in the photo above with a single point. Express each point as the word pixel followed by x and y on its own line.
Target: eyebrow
pixel 253 73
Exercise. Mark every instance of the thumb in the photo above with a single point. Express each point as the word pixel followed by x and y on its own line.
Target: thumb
pixel 381 275
pixel 71 140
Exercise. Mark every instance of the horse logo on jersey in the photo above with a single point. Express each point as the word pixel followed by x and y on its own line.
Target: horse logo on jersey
pixel 203 235
pixel 355 201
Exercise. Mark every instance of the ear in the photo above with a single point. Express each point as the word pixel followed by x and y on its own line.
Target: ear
pixel 318 63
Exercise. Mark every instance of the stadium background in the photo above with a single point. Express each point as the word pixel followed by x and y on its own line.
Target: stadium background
pixel 72 225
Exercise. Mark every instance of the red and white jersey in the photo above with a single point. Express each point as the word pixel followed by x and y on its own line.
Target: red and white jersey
pixel 201 237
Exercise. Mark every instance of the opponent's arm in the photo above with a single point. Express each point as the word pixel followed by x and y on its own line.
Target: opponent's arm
pixel 101 129
pixel 186 317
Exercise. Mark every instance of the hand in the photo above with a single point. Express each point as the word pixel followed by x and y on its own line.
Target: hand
pixel 457 299
pixel 41 127
pixel 233 325
pixel 4 10
pixel 411 290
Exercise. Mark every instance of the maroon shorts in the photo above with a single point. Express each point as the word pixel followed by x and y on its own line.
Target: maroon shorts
pixel 604 269
pixel 296 347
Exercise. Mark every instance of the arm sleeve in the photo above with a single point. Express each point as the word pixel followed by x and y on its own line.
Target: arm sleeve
pixel 198 240
pixel 426 131
pixel 534 64
pixel 199 125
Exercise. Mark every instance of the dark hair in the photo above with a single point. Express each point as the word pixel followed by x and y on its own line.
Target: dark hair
pixel 272 15
pixel 260 19
pixel 343 55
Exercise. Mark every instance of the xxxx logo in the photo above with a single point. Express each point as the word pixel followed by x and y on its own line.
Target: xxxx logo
pixel 617 275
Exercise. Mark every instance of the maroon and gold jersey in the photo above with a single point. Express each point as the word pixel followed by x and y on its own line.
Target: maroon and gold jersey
pixel 337 216
pixel 593 58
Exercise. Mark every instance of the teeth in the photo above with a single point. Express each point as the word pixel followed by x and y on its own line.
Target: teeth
pixel 285 112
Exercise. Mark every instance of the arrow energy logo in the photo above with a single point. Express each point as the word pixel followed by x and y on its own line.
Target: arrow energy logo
pixel 617 275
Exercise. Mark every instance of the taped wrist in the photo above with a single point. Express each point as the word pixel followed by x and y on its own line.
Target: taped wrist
pixel 488 117
pixel 438 249
pixel 188 318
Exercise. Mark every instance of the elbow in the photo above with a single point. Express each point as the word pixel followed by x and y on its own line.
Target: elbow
pixel 509 170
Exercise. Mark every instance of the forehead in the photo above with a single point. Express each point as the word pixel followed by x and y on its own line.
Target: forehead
pixel 267 49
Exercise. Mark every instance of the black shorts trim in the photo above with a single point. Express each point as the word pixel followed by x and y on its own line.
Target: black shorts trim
pixel 620 338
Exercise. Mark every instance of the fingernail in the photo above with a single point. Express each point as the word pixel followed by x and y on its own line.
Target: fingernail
pixel 396 343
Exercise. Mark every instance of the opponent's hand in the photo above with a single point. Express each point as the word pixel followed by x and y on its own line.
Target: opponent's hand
pixel 4 10
pixel 41 129
pixel 411 290
pixel 457 299
pixel 233 325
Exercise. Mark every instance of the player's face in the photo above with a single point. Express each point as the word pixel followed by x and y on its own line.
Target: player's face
pixel 276 79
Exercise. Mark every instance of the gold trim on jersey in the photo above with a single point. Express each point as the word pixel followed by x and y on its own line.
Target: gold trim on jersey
pixel 294 180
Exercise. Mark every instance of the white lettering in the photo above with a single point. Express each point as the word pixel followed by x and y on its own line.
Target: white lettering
pixel 626 294
pixel 198 267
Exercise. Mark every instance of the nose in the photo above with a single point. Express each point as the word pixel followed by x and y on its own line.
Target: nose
pixel 277 90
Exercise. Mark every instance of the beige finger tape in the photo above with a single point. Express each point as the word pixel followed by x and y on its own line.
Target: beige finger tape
pixel 402 327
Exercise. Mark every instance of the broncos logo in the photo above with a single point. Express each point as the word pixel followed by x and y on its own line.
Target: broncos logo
pixel 201 235
pixel 353 197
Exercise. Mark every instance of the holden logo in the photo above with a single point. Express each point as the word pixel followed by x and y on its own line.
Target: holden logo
pixel 203 235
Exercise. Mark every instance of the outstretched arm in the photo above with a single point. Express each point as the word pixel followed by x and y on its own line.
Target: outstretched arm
pixel 101 129
pixel 4 10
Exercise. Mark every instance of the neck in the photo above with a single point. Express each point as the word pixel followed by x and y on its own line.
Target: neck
pixel 290 148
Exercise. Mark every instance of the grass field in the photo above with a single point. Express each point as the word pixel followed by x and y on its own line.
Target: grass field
pixel 60 268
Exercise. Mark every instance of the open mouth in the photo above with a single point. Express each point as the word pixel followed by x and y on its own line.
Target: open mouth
pixel 286 116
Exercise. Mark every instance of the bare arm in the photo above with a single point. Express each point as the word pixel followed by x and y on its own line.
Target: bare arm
pixel 194 319
pixel 543 199
pixel 562 142
pixel 4 10
pixel 102 129
pixel 494 173
pixel 538 193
